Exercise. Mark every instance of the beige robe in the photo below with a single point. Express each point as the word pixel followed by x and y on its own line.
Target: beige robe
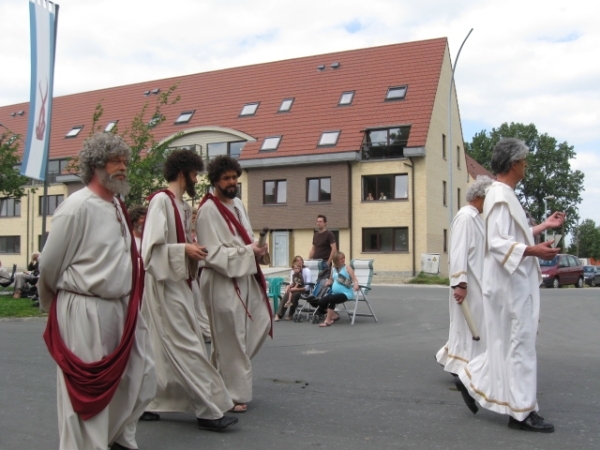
pixel 87 258
pixel 235 337
pixel 186 379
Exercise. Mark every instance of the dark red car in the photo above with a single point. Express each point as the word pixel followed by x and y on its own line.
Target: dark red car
pixel 563 269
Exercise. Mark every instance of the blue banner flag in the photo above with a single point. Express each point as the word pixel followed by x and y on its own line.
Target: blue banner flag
pixel 43 16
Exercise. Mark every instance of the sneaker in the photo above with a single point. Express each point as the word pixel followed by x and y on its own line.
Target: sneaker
pixel 533 422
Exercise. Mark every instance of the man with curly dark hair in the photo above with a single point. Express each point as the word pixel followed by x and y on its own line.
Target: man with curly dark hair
pixel 231 282
pixel 137 214
pixel 186 379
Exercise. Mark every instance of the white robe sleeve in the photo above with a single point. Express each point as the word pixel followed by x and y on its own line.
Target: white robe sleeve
pixel 501 241
pixel 162 259
pixel 461 243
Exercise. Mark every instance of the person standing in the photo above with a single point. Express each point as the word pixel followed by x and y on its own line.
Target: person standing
pixel 90 285
pixel 231 281
pixel 467 244
pixel 137 214
pixel 186 379
pixel 503 378
pixel 323 245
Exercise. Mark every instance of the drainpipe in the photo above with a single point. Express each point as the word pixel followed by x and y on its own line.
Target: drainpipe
pixel 412 202
pixel 349 209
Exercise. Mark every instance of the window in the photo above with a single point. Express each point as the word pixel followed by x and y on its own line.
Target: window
pixel 184 117
pixel 10 244
pixel 396 93
pixel 444 201
pixel 111 125
pixel 458 198
pixel 385 239
pixel 249 109
pixel 56 167
pixel 156 119
pixel 445 241
pixel 329 138
pixel 271 143
pixel 286 105
pixel 52 203
pixel 444 146
pixel 318 190
pixel 385 187
pixel 74 131
pixel 233 149
pixel 346 98
pixel 385 143
pixel 275 192
pixel 458 156
pixel 10 207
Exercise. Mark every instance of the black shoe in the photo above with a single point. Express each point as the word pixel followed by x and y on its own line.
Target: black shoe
pixel 533 422
pixel 116 446
pixel 216 424
pixel 470 402
pixel 150 416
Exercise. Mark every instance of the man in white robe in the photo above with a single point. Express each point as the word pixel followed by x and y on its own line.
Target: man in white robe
pixel 186 379
pixel 231 283
pixel 466 268
pixel 504 378
pixel 86 278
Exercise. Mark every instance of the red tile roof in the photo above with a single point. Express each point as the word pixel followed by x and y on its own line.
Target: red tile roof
pixel 475 169
pixel 218 97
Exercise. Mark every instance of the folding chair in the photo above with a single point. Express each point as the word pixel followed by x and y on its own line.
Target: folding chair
pixel 10 281
pixel 363 269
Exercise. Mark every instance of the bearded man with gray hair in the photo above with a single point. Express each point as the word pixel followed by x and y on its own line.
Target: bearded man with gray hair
pixel 467 242
pixel 504 377
pixel 90 285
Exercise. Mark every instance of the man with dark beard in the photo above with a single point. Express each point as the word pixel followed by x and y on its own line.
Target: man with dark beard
pixel 231 282
pixel 89 283
pixel 186 381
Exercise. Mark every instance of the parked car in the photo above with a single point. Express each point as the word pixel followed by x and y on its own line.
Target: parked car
pixel 591 275
pixel 563 269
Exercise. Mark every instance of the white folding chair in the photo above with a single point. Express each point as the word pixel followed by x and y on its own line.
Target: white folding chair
pixel 363 270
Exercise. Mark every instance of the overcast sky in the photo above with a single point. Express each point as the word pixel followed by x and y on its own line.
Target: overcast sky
pixel 529 61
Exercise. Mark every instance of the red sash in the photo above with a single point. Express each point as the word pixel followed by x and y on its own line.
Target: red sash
pixel 91 386
pixel 234 225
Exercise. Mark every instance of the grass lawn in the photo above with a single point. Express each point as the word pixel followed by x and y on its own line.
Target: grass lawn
pixel 18 307
pixel 423 278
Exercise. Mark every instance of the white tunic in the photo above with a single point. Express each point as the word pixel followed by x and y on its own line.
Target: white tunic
pixel 87 257
pixel 186 379
pixel 466 265
pixel 235 337
pixel 504 378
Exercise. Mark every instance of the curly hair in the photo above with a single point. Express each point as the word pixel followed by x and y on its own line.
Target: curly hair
pixel 478 188
pixel 221 164
pixel 506 152
pixel 182 160
pixel 96 152
pixel 137 211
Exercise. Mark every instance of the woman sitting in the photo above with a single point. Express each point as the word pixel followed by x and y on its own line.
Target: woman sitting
pixel 31 275
pixel 299 279
pixel 343 284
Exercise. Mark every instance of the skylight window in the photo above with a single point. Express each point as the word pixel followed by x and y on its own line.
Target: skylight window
pixel 286 105
pixel 396 93
pixel 74 131
pixel 271 143
pixel 329 138
pixel 249 109
pixel 346 98
pixel 185 117
pixel 110 125
pixel 155 121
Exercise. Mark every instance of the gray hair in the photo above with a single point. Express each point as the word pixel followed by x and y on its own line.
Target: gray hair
pixel 96 152
pixel 506 152
pixel 478 188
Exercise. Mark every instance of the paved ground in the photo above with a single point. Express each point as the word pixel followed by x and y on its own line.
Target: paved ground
pixel 367 386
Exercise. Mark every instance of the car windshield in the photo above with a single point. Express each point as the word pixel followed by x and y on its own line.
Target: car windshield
pixel 589 269
pixel 549 263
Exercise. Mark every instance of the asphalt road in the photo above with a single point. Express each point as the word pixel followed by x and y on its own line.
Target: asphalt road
pixel 350 387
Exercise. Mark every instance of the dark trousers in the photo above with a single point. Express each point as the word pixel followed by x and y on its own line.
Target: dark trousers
pixel 329 301
pixel 295 298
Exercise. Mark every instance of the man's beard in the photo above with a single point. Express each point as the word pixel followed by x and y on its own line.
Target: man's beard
pixel 190 186
pixel 111 183
pixel 230 192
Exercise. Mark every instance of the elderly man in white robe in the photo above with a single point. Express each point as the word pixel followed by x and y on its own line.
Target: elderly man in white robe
pixel 186 379
pixel 89 283
pixel 503 379
pixel 466 267
pixel 231 282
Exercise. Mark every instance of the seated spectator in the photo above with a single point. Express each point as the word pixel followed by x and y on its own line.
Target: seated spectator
pixel 31 275
pixel 299 279
pixel 343 283
pixel 382 196
pixel 370 197
pixel 4 274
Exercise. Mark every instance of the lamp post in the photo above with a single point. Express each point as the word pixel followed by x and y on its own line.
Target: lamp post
pixel 549 197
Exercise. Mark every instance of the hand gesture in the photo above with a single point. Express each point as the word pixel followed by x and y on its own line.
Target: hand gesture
pixel 555 220
pixel 542 251
pixel 195 252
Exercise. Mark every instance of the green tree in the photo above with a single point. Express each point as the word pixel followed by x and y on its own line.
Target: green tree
pixel 586 240
pixel 11 181
pixel 548 173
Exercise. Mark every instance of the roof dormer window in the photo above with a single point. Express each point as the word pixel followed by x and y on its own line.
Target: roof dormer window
pixel 74 131
pixel 346 98
pixel 271 143
pixel 111 125
pixel 249 109
pixel 286 105
pixel 329 139
pixel 396 93
pixel 184 117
